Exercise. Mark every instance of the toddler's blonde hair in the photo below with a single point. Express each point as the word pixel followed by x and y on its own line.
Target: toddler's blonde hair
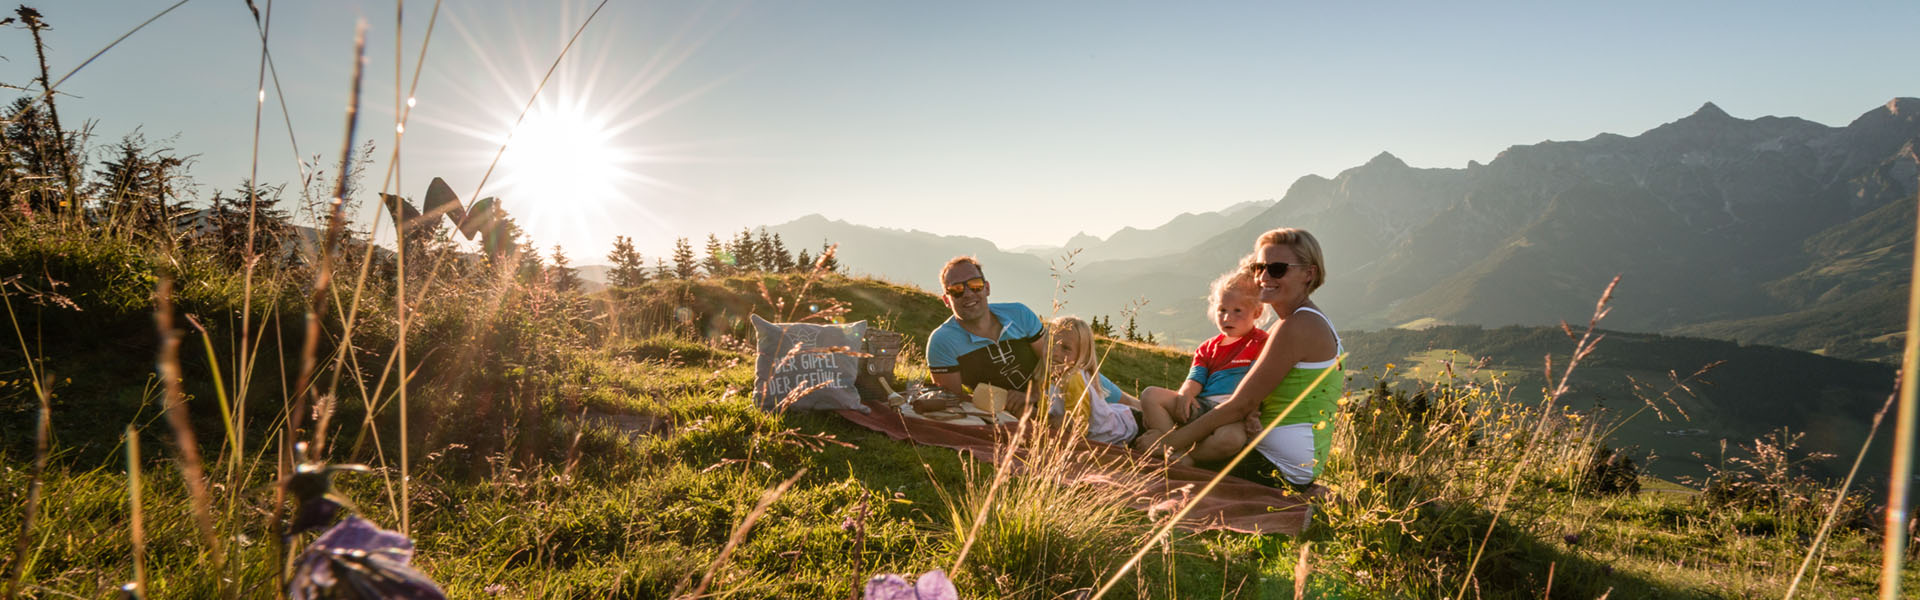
pixel 1241 280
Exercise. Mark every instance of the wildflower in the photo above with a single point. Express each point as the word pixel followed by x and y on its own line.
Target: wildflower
pixel 933 585
pixel 356 559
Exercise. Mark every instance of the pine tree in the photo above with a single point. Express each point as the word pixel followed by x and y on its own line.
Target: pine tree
pixel 782 259
pixel 828 261
pixel 1133 333
pixel 1102 326
pixel 683 265
pixel 228 220
pixel 136 182
pixel 629 270
pixel 661 271
pixel 561 276
pixel 804 262
pixel 719 262
pixel 36 156
pixel 746 252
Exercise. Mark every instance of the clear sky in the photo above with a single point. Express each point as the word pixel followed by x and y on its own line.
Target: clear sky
pixel 1019 122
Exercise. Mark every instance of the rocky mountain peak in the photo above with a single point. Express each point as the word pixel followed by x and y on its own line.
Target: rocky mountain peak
pixel 1709 111
pixel 1386 159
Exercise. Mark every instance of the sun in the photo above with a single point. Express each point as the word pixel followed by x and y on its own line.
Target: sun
pixel 564 157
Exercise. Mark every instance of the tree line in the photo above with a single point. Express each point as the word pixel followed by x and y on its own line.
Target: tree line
pixel 745 253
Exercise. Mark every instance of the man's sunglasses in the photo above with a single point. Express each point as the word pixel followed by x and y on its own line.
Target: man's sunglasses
pixel 1274 270
pixel 975 284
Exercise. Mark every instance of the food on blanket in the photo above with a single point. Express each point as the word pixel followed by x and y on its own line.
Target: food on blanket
pixel 989 399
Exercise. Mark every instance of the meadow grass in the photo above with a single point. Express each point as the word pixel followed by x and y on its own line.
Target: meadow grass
pixel 537 443
pixel 515 493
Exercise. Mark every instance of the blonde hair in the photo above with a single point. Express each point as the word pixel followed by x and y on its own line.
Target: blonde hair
pixel 1240 279
pixel 1304 247
pixel 1074 389
pixel 1082 335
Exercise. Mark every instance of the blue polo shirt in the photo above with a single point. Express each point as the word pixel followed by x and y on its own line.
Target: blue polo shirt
pixel 1007 362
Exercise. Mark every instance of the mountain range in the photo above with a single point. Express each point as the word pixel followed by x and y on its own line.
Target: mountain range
pixel 1774 230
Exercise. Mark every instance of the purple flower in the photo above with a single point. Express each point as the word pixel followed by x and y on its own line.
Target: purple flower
pixel 356 559
pixel 933 585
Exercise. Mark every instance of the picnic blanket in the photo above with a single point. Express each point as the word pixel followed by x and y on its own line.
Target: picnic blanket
pixel 1233 505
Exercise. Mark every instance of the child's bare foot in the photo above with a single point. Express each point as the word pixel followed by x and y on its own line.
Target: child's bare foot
pixel 1148 439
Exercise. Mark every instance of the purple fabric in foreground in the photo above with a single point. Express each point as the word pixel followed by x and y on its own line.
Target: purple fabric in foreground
pixel 1234 505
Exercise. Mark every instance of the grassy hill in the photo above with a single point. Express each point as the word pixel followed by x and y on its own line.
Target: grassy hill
pixel 568 446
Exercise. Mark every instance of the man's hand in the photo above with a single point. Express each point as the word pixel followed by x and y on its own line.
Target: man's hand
pixel 1253 425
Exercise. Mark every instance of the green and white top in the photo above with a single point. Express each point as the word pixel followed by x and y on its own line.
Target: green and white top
pixel 1317 408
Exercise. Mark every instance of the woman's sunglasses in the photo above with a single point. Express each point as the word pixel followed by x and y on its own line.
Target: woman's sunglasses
pixel 975 284
pixel 1274 270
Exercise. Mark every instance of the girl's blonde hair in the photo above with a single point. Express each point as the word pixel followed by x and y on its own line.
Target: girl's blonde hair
pixel 1082 335
pixel 1241 280
pixel 1074 387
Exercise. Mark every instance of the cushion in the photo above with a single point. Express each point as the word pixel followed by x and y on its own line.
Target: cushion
pixel 794 358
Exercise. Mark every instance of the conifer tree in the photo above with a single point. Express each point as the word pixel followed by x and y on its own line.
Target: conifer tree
pixel 562 276
pixel 229 218
pixel 629 269
pixel 1102 326
pixel 683 265
pixel 804 262
pixel 661 271
pixel 136 182
pixel 782 259
pixel 828 261
pixel 1133 333
pixel 719 262
pixel 746 252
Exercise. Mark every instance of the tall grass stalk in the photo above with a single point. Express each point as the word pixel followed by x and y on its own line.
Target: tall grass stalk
pixel 244 358
pixel 43 430
pixel 1839 498
pixel 304 392
pixel 137 526
pixel 1900 486
pixel 1173 520
pixel 1581 348
pixel 192 469
pixel 316 310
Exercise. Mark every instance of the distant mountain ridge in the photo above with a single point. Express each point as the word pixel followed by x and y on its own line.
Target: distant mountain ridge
pixel 1181 233
pixel 1755 230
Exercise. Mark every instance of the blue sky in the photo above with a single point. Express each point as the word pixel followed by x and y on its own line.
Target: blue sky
pixel 1022 122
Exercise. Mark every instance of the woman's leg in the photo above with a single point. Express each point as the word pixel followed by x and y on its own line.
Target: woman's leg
pixel 1222 444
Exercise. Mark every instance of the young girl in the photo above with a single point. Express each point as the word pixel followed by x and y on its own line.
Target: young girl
pixel 1218 366
pixel 1079 387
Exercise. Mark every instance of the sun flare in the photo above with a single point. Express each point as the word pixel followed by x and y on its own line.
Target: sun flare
pixel 563 157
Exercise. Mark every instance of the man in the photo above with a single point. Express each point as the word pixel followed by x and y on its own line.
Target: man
pixel 998 344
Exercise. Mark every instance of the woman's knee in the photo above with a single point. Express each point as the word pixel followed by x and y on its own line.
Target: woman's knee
pixel 1225 442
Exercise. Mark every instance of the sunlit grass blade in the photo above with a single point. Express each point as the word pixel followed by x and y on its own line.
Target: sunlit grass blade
pixel 137 513
pixel 1893 552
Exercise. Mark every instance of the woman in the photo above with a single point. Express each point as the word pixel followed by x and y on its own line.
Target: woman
pixel 1301 347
